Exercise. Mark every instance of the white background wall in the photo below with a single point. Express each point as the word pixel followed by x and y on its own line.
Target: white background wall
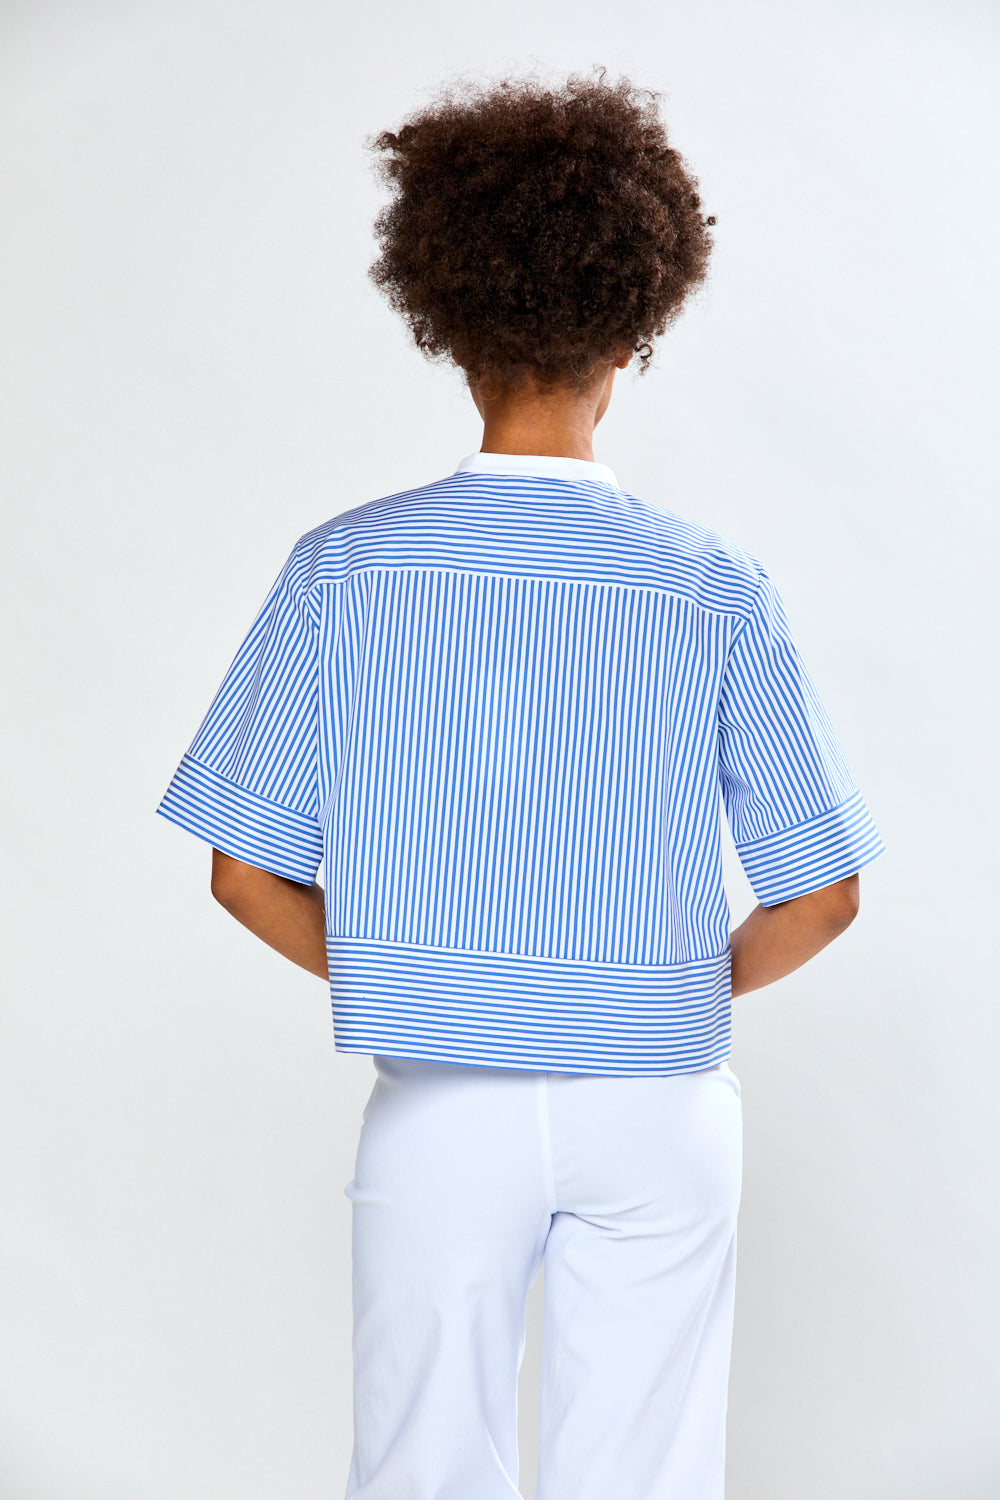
pixel 195 371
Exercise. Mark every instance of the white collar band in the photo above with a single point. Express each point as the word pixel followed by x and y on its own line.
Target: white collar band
pixel 546 465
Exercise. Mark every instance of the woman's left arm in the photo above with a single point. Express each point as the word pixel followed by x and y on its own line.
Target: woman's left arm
pixel 285 914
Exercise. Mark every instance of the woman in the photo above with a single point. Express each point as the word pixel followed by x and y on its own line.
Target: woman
pixel 501 706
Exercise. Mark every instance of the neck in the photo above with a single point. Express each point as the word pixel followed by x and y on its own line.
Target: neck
pixel 560 439
pixel 557 423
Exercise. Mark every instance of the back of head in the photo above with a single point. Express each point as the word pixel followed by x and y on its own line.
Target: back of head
pixel 537 233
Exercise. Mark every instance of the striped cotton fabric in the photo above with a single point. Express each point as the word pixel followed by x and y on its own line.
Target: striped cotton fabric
pixel 502 709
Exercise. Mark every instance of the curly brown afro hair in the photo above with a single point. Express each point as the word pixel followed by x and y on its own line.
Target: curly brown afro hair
pixel 537 233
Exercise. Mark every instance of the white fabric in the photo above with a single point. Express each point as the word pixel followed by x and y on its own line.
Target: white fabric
pixel 547 465
pixel 466 1177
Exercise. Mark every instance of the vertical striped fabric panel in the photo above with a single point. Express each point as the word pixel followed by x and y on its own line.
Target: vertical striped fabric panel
pixel 503 710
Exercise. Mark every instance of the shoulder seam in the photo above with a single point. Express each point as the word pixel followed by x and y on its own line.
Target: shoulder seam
pixel 745 620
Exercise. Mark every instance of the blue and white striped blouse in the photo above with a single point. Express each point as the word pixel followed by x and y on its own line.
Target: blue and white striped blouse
pixel 501 708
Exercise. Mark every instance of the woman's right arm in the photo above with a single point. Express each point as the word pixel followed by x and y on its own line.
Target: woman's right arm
pixel 774 940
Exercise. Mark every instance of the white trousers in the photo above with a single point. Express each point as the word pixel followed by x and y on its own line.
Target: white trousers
pixel 466 1180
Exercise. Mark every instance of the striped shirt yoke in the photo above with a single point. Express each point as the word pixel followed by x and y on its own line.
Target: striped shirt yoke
pixel 501 709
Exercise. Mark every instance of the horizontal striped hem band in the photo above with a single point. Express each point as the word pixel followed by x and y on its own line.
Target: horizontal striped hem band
pixel 242 823
pixel 813 854
pixel 518 1011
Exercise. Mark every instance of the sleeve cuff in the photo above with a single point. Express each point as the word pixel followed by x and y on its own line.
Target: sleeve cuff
pixel 828 847
pixel 241 823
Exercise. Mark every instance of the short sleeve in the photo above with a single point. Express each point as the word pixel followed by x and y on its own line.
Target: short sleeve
pixel 798 820
pixel 248 783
